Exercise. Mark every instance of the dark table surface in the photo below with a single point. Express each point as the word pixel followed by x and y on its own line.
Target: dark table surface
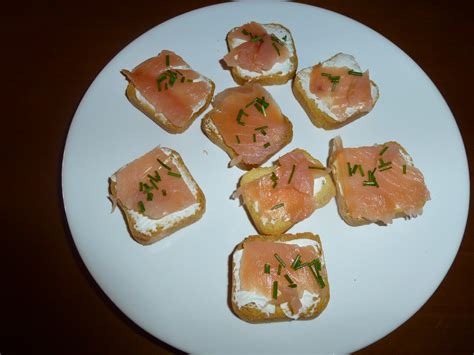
pixel 53 52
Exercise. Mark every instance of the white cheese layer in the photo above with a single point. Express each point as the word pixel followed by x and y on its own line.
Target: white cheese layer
pixel 242 298
pixel 147 225
pixel 283 67
pixel 340 60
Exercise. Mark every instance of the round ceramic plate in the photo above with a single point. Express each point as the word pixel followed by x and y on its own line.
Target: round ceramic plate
pixel 176 289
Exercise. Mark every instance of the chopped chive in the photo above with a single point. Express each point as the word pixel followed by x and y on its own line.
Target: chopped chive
pixel 369 183
pixel 274 178
pixel 293 285
pixel 383 150
pixel 149 196
pixel 262 102
pixel 141 186
pixel 170 173
pixel 385 168
pixel 146 188
pixel 404 168
pixel 177 71
pixel 277 206
pixel 238 139
pixel 276 48
pixel 261 128
pixel 326 74
pixel 266 145
pixel 288 278
pixel 296 262
pixel 355 73
pixel 292 173
pixel 279 269
pixel 316 167
pixel 383 164
pixel 183 79
pixel 301 265
pixel 349 168
pixel 167 60
pixel 154 185
pixel 245 32
pixel 250 103
pixel 163 192
pixel 189 80
pixel 266 269
pixel 361 171
pixel 317 263
pixel 318 277
pixel 333 87
pixel 172 78
pixel 284 38
pixel 354 169
pixel 280 260
pixel 239 117
pixel 275 290
pixel 141 207
pixel 163 164
pixel 256 39
pixel 153 178
pixel 254 138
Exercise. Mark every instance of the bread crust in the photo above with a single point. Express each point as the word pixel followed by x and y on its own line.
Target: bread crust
pixel 161 232
pixel 319 118
pixel 327 192
pixel 269 79
pixel 251 314
pixel 207 127
pixel 160 119
pixel 335 147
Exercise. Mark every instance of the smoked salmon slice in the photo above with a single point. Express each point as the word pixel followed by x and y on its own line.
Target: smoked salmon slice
pixel 279 278
pixel 287 193
pixel 248 124
pixel 257 50
pixel 169 91
pixel 157 194
pixel 376 183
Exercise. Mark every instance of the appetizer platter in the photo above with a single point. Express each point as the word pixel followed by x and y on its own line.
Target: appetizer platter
pixel 274 176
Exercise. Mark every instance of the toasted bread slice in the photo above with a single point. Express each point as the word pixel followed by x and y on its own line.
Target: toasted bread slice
pixel 319 113
pixel 386 191
pixel 147 230
pixel 139 101
pixel 255 306
pixel 280 73
pixel 212 131
pixel 275 221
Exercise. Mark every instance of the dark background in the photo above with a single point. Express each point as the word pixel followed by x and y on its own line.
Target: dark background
pixel 51 53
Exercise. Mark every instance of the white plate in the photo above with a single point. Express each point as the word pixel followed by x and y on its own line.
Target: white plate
pixel 177 289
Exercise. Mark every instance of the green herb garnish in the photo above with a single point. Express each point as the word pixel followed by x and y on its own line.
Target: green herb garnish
pixel 140 186
pixel 296 262
pixel 316 167
pixel 349 168
pixel 284 38
pixel 361 171
pixel 277 206
pixel 317 276
pixel 183 79
pixel 279 269
pixel 266 145
pixel 383 164
pixel 274 178
pixel 141 207
pixel 261 128
pixel 404 168
pixel 156 178
pixel 288 278
pixel 154 185
pixel 239 117
pixel 292 173
pixel 256 39
pixel 238 139
pixel 280 260
pixel 385 168
pixel 147 188
pixel 383 150
pixel 355 73
pixel 170 173
pixel 167 60
pixel 275 290
pixel 189 80
pixel 245 32
pixel 293 285
pixel 372 181
pixel 261 105
pixel 254 138
pixel 266 269
pixel 163 164
pixel 149 196
pixel 163 192
pixel 276 48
